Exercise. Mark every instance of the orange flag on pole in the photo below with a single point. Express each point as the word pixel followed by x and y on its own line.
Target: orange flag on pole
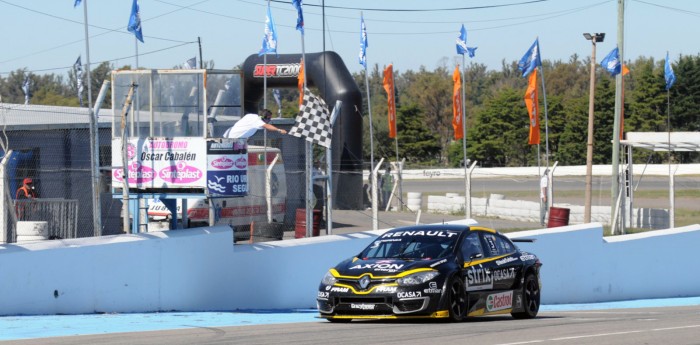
pixel 533 108
pixel 300 82
pixel 625 71
pixel 457 104
pixel 391 102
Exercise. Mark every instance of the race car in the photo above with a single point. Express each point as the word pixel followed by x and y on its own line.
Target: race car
pixel 433 271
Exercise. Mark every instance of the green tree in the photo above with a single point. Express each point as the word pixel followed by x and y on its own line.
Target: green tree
pixel 417 144
pixel 499 137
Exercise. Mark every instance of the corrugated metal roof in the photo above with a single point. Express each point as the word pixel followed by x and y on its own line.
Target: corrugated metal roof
pixel 664 141
pixel 41 117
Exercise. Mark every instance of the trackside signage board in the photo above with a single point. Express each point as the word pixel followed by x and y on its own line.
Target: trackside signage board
pixel 160 162
pixel 227 167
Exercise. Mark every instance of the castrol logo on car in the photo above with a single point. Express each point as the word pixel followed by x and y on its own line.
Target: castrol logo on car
pixel 499 301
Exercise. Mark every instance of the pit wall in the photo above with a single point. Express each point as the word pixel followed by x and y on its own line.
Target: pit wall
pixel 202 270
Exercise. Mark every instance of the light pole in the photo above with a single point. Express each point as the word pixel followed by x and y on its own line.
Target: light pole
pixel 594 38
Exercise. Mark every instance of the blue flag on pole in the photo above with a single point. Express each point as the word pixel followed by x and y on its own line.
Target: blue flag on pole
pixel 135 21
pixel 76 3
pixel 300 15
pixel 668 73
pixel 471 51
pixel 363 42
pixel 611 62
pixel 269 43
pixel 462 41
pixel 531 59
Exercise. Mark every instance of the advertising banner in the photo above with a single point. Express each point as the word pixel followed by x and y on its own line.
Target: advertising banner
pixel 159 162
pixel 227 167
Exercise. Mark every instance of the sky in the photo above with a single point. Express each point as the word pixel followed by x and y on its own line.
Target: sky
pixel 47 36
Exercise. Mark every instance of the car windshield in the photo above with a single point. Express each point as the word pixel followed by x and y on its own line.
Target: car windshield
pixel 412 245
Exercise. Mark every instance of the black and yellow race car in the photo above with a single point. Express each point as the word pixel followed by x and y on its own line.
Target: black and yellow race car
pixel 433 271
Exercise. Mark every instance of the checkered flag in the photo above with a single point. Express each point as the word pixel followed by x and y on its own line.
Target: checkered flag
pixel 313 121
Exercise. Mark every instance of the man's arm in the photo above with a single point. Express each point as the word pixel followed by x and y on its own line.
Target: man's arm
pixel 272 128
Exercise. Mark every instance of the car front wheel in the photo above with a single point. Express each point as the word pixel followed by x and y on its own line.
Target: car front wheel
pixel 531 298
pixel 457 300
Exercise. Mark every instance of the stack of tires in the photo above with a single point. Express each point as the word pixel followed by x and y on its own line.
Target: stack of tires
pixel 414 201
pixel 28 231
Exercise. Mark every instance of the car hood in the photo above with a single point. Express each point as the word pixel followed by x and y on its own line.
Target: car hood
pixel 357 267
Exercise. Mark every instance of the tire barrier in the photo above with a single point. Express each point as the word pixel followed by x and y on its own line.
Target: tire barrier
pixel 31 231
pixel 414 201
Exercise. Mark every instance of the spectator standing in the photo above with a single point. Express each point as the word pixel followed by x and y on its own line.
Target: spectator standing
pixel 387 186
pixel 26 191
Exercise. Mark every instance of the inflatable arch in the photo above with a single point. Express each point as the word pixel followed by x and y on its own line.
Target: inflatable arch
pixel 327 72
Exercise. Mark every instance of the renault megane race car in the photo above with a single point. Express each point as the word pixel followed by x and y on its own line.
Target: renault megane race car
pixel 433 271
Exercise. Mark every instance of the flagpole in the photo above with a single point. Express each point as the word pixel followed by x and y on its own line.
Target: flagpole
pixel 467 194
pixel 308 148
pixel 399 168
pixel 546 121
pixel 671 213
pixel 94 148
pixel 373 176
pixel 615 182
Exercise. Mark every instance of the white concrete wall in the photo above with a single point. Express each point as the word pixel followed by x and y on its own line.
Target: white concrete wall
pixel 201 270
pixel 529 211
pixel 571 170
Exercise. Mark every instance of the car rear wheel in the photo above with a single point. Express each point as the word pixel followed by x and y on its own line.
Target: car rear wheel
pixel 531 298
pixel 457 300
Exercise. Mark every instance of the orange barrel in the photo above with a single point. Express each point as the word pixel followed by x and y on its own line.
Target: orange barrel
pixel 300 228
pixel 558 216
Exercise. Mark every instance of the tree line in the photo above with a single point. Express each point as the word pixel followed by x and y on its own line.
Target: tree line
pixel 497 120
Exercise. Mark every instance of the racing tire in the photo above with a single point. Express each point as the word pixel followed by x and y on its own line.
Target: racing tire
pixel 531 298
pixel 456 300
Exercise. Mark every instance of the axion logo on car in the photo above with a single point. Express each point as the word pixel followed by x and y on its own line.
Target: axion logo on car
pixel 389 267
